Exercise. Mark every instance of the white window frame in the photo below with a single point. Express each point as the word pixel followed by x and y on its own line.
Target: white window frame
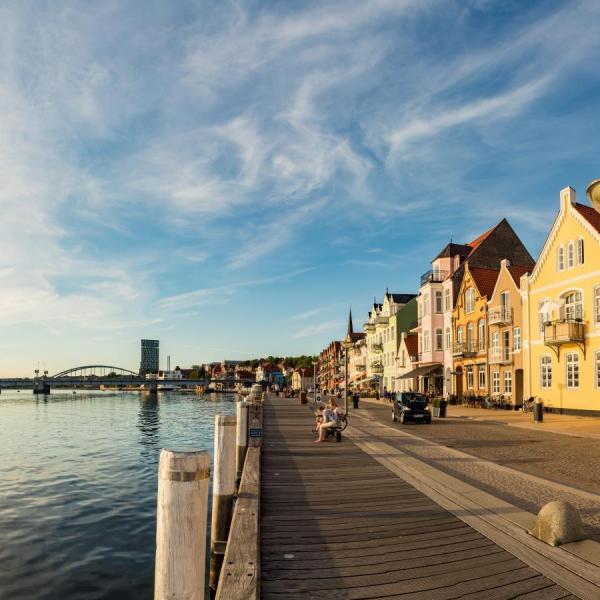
pixel 580 251
pixel 570 255
pixel 572 370
pixel 425 305
pixel 469 370
pixel 597 305
pixel 469 300
pixel 448 338
pixel 508 382
pixel 546 372
pixel 572 309
pixel 439 302
pixel 516 339
pixel 426 340
pixel 560 258
pixel 447 305
pixel 439 338
pixel 481 334
pixel 495 343
pixel 496 382
pixel 481 377
pixel 598 369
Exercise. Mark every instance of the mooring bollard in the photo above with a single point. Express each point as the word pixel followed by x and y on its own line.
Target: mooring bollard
pixel 223 488
pixel 183 478
pixel 241 441
pixel 255 414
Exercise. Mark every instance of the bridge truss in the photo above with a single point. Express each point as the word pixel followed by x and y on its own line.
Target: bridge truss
pixel 92 371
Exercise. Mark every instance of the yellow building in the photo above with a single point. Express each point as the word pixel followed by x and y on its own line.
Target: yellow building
pixel 561 310
pixel 470 331
pixel 505 327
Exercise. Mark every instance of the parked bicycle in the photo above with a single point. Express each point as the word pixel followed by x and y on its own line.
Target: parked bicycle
pixel 529 404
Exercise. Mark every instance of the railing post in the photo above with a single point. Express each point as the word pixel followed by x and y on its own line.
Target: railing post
pixel 183 478
pixel 241 441
pixel 223 488
pixel 255 412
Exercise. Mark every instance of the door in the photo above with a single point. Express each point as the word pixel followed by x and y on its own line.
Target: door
pixel 519 387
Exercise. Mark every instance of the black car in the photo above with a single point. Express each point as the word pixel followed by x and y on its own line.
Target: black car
pixel 410 406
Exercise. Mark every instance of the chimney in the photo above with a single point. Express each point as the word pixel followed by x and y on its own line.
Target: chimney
pixel 567 197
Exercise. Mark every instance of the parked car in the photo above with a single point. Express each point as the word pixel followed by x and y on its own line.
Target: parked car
pixel 411 406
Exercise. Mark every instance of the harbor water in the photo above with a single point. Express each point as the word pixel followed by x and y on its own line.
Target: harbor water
pixel 78 480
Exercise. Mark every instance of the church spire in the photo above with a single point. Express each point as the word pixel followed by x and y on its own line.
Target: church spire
pixel 350 328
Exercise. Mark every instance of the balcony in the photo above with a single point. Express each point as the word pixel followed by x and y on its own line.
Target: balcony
pixel 465 349
pixel 377 348
pixel 500 356
pixel 564 331
pixel 360 367
pixel 369 327
pixel 376 367
pixel 381 320
pixel 500 316
pixel 433 276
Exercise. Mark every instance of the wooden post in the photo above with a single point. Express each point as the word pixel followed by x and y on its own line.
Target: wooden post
pixel 183 478
pixel 223 489
pixel 241 441
pixel 255 425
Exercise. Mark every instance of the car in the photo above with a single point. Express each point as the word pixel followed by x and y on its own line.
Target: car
pixel 410 406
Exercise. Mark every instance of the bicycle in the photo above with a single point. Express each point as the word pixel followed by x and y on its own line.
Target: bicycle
pixel 528 404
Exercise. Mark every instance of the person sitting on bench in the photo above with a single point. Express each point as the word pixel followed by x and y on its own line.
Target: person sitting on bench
pixel 330 419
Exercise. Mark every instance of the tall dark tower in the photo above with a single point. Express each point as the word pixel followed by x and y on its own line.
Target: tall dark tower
pixel 149 360
pixel 350 328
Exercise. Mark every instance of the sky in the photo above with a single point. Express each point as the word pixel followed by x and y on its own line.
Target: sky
pixel 230 177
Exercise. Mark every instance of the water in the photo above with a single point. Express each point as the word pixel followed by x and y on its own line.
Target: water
pixel 78 488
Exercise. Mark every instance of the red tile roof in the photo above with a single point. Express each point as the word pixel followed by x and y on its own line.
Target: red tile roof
pixel 412 344
pixel 485 279
pixel 477 241
pixel 589 214
pixel 517 272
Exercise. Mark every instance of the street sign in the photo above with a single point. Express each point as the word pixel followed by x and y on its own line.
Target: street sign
pixel 255 433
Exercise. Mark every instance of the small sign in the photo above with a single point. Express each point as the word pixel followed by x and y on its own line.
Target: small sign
pixel 256 433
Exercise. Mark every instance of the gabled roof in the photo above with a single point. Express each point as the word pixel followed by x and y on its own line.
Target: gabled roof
pixel 589 214
pixel 452 249
pixel 412 344
pixel 477 241
pixel 401 298
pixel 485 279
pixel 517 272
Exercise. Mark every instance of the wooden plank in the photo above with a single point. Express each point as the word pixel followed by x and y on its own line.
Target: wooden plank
pixel 240 575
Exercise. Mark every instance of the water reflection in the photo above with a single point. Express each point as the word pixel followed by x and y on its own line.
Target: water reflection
pixel 149 419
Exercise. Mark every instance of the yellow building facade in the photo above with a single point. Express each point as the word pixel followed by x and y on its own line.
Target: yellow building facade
pixel 470 330
pixel 561 311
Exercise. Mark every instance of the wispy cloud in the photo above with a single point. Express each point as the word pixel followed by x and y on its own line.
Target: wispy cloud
pixel 318 328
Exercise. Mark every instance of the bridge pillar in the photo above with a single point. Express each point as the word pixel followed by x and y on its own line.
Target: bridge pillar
pixel 41 386
pixel 152 386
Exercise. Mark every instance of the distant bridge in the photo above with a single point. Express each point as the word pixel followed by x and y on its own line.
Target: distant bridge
pixel 92 371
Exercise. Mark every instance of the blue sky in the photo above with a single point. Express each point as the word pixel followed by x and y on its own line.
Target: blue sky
pixel 229 177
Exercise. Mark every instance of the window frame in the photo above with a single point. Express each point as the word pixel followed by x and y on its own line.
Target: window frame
pixel 439 302
pixel 572 310
pixel 469 300
pixel 481 377
pixel 481 334
pixel 507 378
pixel 560 258
pixel 570 255
pixel 470 380
pixel 496 382
pixel 597 305
pixel 597 365
pixel 573 373
pixel 580 251
pixel 546 372
pixel 439 332
pixel 447 303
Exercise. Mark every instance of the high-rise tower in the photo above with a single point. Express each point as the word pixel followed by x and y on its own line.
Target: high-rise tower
pixel 149 357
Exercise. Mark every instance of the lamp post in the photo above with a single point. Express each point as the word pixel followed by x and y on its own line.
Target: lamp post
pixel 315 363
pixel 347 344
pixel 302 380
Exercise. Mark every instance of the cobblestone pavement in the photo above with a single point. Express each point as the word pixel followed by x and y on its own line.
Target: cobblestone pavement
pixel 567 460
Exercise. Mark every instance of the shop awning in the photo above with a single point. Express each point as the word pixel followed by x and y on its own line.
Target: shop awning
pixel 419 371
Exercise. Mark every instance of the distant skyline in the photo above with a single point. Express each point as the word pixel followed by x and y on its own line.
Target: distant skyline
pixel 229 177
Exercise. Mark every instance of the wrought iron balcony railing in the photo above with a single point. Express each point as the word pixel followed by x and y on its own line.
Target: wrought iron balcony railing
pixel 433 276
pixel 500 356
pixel 500 316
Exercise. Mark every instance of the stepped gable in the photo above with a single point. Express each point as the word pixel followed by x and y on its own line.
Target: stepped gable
pixel 485 279
pixel 589 214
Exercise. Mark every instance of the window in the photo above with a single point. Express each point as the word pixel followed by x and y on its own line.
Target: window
pixel 495 382
pixel 438 302
pixel 470 344
pixel 426 341
pixel 481 377
pixel 447 299
pixel 597 305
pixel 572 370
pixel 481 334
pixel 439 339
pixel 459 337
pixel 546 371
pixel 448 338
pixel 570 255
pixel 495 342
pixel 541 315
pixel 598 369
pixel 470 377
pixel 425 305
pixel 580 252
pixel 470 300
pixel 560 259
pixel 508 382
pixel 573 307
pixel 516 339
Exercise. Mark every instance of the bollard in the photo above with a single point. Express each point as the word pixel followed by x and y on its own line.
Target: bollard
pixel 223 488
pixel 557 523
pixel 538 411
pixel 183 478
pixel 255 412
pixel 241 441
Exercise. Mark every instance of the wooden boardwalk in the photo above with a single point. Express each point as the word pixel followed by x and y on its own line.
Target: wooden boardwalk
pixel 335 523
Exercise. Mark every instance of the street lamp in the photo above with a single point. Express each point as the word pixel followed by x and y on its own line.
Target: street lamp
pixel 347 344
pixel 315 363
pixel 302 380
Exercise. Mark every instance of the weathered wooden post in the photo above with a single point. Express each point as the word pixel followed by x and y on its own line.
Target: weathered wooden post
pixel 241 440
pixel 223 489
pixel 255 425
pixel 183 478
